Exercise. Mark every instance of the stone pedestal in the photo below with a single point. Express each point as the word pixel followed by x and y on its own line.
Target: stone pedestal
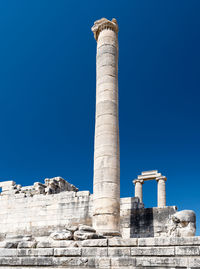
pixel 106 152
pixel 138 189
pixel 161 194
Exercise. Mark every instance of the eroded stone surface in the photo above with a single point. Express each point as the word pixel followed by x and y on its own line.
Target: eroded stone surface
pixel 51 186
pixel 102 254
pixel 66 235
pixel 183 224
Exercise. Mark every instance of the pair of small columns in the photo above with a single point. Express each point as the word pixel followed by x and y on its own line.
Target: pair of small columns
pixel 161 190
pixel 106 181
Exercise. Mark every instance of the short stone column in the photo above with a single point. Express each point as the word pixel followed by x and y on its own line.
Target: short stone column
pixel 106 181
pixel 161 191
pixel 138 189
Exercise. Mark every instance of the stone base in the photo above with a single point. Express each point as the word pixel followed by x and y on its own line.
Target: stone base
pixel 115 253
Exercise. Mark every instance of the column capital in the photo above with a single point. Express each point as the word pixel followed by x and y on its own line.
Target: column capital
pixel 141 181
pixel 161 178
pixel 103 23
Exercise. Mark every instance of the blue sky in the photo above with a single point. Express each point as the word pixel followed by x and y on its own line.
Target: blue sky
pixel 47 93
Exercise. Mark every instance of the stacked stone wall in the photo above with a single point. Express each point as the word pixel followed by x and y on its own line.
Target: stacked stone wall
pixel 40 215
pixel 106 254
pixel 137 221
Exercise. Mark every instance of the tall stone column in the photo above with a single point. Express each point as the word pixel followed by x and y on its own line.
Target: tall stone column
pixel 161 194
pixel 106 199
pixel 138 189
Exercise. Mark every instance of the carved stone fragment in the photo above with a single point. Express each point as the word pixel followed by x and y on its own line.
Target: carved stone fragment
pixel 66 235
pixel 183 224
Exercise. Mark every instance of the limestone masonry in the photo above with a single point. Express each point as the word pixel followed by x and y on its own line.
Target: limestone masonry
pixel 54 225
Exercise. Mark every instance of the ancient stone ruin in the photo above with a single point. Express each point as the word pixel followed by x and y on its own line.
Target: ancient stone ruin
pixel 54 225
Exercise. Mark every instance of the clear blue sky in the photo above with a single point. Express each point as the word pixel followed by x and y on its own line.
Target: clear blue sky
pixel 47 93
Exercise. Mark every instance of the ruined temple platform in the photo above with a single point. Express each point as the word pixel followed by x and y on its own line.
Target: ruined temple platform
pixel 105 254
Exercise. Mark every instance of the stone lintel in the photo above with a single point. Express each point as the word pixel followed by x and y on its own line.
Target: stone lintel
pixel 149 177
pixel 103 23
pixel 151 172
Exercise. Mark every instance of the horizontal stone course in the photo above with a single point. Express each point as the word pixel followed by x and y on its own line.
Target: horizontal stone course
pixel 57 244
pixel 4 252
pixel 119 242
pixel 152 251
pixel 119 251
pixel 169 241
pixel 101 254
pixel 187 251
pixel 123 262
pixel 40 261
pixel 36 252
pixel 94 251
pixel 168 262
pixel 69 252
pixel 74 262
pixel 194 262
pixel 95 243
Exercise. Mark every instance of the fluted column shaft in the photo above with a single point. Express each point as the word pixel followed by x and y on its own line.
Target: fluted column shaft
pixel 161 192
pixel 106 199
pixel 138 189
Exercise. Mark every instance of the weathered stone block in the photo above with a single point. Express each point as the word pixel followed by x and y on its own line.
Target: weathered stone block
pixel 56 244
pixel 72 228
pixel 163 241
pixel 95 243
pixel 169 241
pixel 119 251
pixel 4 252
pixel 160 261
pixel 86 228
pixel 39 261
pixel 6 244
pixel 12 261
pixel 23 253
pixel 70 252
pixel 35 252
pixel 194 262
pixel 61 235
pixel 94 251
pixel 119 242
pixel 74 262
pixel 123 262
pixel 103 263
pixel 7 184
pixel 153 251
pixel 185 241
pixel 27 244
pixel 82 235
pixel 187 251
pixel 82 193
